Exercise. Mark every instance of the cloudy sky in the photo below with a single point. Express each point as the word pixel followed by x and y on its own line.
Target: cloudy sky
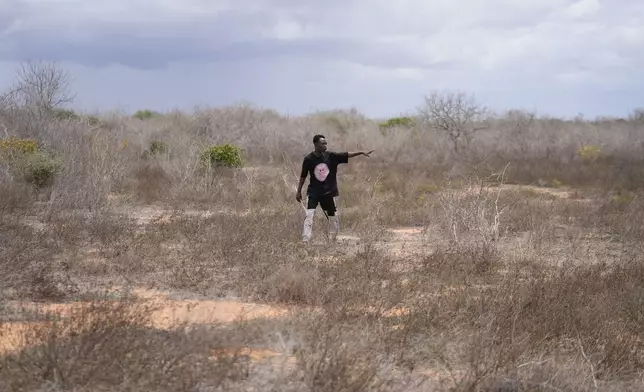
pixel 560 57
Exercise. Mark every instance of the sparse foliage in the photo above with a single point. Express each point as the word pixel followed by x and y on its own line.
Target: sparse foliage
pixel 455 114
pixel 12 145
pixel 27 161
pixel 65 114
pixel 144 114
pixel 589 154
pixel 637 115
pixel 226 155
pixel 397 122
pixel 39 169
pixel 158 147
pixel 41 87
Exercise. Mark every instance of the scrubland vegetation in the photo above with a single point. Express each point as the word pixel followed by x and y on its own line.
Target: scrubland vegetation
pixel 483 251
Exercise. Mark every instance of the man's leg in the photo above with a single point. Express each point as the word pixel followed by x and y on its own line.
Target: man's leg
pixel 307 230
pixel 330 207
pixel 336 203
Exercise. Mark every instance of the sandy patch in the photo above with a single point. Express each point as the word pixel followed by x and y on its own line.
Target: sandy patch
pixel 173 313
pixel 259 355
pixel 167 313
pixel 406 241
pixel 13 336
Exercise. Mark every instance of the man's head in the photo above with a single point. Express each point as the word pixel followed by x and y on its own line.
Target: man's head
pixel 319 141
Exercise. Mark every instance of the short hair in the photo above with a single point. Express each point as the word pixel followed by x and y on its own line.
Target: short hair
pixel 317 138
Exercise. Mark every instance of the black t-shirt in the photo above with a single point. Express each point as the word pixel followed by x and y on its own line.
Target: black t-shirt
pixel 323 170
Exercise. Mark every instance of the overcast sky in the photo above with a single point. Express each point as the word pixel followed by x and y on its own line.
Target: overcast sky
pixel 558 57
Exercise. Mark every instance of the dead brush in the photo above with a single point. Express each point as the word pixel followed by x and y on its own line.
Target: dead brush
pixel 467 263
pixel 473 210
pixel 533 217
pixel 573 317
pixel 495 331
pixel 223 252
pixel 332 366
pixel 27 264
pixel 294 285
pixel 111 345
pixel 336 353
pixel 14 196
pixel 366 280
pixel 151 183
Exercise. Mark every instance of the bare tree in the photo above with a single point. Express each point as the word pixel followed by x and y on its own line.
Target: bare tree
pixel 454 113
pixel 637 115
pixel 42 86
pixel 520 119
pixel 516 126
pixel 8 107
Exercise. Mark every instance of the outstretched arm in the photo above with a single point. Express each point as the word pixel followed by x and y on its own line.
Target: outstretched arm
pixel 355 154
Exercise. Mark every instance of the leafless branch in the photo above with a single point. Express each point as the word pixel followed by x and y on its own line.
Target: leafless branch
pixel 42 86
pixel 456 114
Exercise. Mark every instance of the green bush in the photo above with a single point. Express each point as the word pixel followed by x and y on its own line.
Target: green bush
pixel 401 122
pixel 144 114
pixel 225 155
pixel 39 169
pixel 69 115
pixel 25 159
pixel 621 198
pixel 12 145
pixel 158 147
pixel 65 114
pixel 589 154
pixel 405 122
pixel 94 121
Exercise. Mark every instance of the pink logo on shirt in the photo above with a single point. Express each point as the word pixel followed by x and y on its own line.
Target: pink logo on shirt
pixel 321 171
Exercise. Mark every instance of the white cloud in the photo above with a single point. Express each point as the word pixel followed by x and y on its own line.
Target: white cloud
pixel 583 9
pixel 336 48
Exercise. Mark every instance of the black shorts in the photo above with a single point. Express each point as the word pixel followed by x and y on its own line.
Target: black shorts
pixel 327 203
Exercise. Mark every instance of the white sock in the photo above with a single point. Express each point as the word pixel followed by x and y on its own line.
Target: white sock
pixel 334 226
pixel 307 230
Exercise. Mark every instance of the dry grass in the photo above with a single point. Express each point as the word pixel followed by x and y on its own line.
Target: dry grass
pixel 511 286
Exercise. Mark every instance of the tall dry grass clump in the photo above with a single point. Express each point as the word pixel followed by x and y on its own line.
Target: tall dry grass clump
pixel 111 345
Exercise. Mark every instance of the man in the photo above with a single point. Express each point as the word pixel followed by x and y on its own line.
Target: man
pixel 322 165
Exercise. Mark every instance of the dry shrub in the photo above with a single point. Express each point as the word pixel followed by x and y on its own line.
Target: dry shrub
pixel 365 280
pixel 620 214
pixel 531 213
pixel 460 264
pixel 218 253
pixel 94 165
pixel 110 346
pixel 151 183
pixel 547 376
pixel 577 316
pixel 14 196
pixel 294 285
pixel 331 365
pixel 28 266
pixel 473 212
pixel 337 352
pixel 353 283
